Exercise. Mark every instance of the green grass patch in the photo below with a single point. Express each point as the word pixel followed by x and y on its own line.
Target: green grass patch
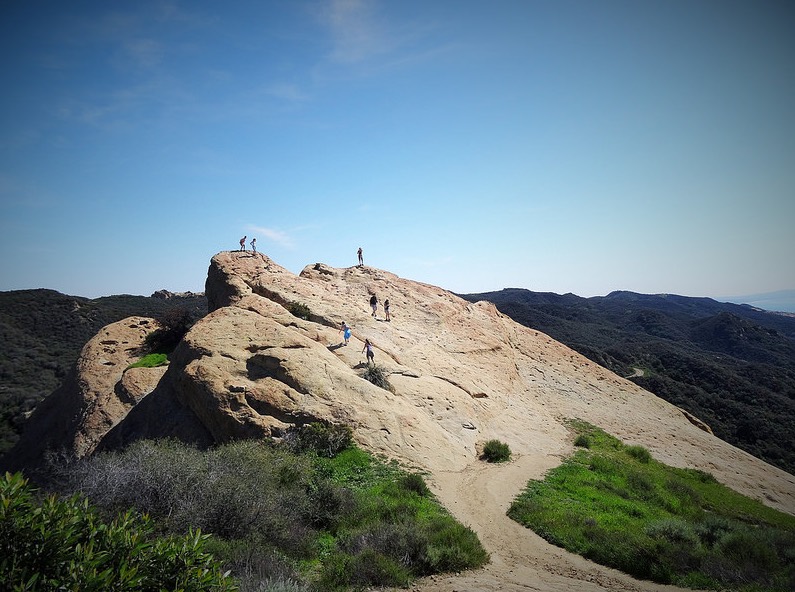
pixel 616 505
pixel 150 361
pixel 312 512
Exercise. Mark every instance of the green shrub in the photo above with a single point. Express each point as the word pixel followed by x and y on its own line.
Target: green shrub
pixel 299 310
pixel 496 451
pixel 375 374
pixel 639 453
pixel 150 361
pixel 582 441
pixel 62 544
pixel 323 439
pixel 415 483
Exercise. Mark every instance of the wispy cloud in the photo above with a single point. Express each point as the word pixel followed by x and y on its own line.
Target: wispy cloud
pixel 145 53
pixel 286 91
pixel 356 33
pixel 279 237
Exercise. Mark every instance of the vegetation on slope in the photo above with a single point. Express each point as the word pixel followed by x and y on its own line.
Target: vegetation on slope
pixel 311 513
pixel 42 333
pixel 617 506
pixel 730 365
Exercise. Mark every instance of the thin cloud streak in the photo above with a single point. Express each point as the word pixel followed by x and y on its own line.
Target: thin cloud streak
pixel 279 237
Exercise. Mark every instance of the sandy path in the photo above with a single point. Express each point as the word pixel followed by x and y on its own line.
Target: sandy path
pixel 521 561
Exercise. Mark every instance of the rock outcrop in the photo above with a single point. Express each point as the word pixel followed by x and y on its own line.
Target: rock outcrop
pixel 461 374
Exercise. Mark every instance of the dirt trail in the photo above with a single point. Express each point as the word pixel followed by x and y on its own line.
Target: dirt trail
pixel 521 561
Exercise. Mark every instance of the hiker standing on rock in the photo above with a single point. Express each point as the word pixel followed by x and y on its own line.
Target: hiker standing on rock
pixel 368 347
pixel 361 259
pixel 386 309
pixel 374 304
pixel 243 244
pixel 254 245
pixel 346 332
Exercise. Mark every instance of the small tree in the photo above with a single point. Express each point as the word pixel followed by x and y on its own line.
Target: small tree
pixel 174 324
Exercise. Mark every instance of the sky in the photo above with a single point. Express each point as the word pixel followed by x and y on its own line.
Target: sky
pixel 556 145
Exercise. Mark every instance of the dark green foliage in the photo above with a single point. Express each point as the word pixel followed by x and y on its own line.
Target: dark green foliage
pixel 294 520
pixel 730 365
pixel 322 439
pixel 496 451
pixel 616 505
pixel 414 482
pixel 43 331
pixel 639 453
pixel 376 375
pixel 299 310
pixel 582 441
pixel 174 324
pixel 63 544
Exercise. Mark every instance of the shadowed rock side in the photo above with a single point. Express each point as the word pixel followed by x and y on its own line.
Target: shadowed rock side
pixel 461 372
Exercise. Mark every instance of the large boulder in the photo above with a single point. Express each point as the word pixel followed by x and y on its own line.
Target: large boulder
pixel 459 375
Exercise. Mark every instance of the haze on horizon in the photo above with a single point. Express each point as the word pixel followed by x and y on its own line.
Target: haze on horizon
pixel 559 146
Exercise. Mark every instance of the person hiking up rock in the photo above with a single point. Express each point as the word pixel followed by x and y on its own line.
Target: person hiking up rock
pixel 374 304
pixel 368 347
pixel 346 332
pixel 243 244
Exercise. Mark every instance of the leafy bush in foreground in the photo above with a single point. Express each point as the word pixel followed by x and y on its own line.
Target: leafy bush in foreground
pixel 616 505
pixel 62 544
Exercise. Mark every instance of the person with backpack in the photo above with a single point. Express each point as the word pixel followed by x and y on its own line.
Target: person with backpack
pixel 374 304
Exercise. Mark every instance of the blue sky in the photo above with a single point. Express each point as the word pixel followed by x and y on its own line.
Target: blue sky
pixel 561 145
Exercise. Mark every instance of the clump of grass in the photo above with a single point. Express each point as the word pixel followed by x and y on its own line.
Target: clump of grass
pixel 616 505
pixel 150 361
pixel 376 375
pixel 495 451
pixel 639 453
pixel 582 441
pixel 299 310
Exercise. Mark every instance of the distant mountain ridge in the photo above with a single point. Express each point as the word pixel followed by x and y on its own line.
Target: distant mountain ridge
pixel 732 365
pixel 779 301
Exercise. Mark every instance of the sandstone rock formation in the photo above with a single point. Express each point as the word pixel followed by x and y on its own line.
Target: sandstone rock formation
pixel 461 373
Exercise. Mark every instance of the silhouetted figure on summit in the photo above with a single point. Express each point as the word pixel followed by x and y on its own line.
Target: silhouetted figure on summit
pixel 361 259
pixel 243 244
